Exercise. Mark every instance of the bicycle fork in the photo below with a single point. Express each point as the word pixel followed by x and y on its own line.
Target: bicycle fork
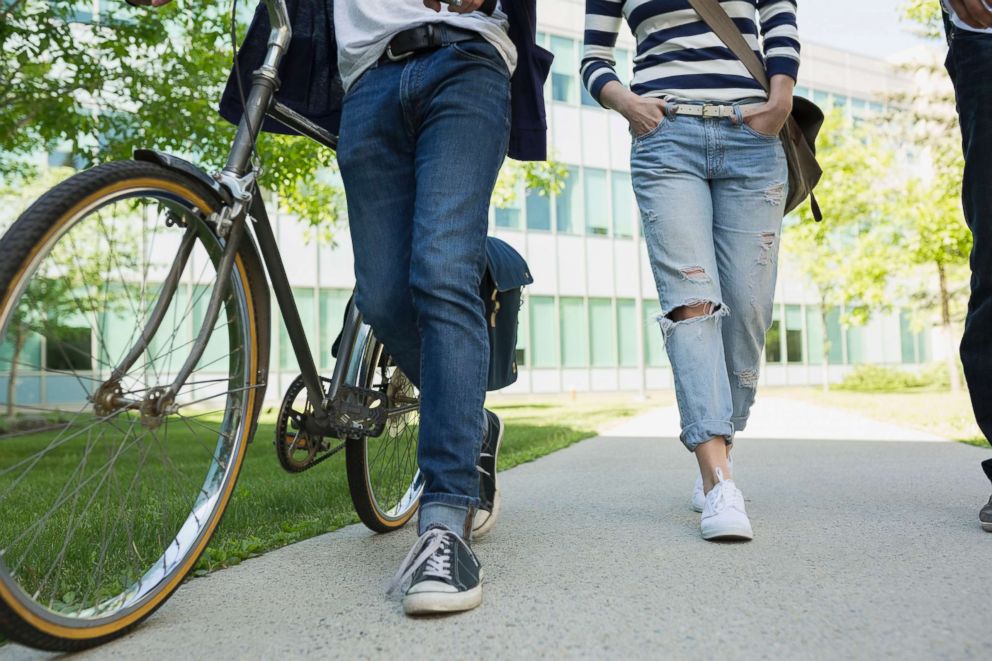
pixel 160 401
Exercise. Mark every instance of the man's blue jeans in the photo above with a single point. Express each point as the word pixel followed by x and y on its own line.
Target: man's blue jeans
pixel 969 62
pixel 422 141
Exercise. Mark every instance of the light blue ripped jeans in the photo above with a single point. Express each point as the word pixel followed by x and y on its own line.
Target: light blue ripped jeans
pixel 712 196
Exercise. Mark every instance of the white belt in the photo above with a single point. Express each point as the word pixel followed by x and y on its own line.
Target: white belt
pixel 707 110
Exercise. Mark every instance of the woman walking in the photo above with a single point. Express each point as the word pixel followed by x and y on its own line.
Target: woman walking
pixel 710 177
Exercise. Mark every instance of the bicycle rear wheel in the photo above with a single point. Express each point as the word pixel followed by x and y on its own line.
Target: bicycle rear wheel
pixel 383 477
pixel 107 501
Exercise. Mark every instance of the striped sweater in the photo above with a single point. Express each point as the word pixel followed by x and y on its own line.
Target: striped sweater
pixel 679 57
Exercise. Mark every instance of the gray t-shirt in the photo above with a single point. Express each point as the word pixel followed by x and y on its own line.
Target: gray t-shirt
pixel 364 27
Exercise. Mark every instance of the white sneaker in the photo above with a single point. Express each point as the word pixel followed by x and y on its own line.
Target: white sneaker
pixel 724 516
pixel 698 495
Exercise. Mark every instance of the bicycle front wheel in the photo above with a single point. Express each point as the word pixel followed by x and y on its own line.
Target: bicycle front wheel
pixel 107 499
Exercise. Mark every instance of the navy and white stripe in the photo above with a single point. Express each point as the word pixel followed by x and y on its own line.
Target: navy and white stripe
pixel 679 57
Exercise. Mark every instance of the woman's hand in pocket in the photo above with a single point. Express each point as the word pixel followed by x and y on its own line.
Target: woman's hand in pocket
pixel 769 118
pixel 644 114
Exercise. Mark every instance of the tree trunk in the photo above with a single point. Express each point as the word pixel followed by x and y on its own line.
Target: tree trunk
pixel 948 330
pixel 19 337
pixel 825 345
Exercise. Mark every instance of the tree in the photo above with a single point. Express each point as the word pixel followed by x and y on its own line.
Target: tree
pixel 925 14
pixel 848 257
pixel 133 77
pixel 933 234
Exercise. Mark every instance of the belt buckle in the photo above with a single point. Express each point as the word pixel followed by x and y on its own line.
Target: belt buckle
pixel 711 110
pixel 396 58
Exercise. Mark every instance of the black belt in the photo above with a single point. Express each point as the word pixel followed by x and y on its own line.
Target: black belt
pixel 422 38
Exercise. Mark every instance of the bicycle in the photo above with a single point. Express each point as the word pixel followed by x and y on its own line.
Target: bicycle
pixel 92 314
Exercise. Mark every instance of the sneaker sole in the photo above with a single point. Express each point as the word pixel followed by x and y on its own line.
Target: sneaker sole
pixel 987 527
pixel 428 603
pixel 695 507
pixel 481 528
pixel 738 533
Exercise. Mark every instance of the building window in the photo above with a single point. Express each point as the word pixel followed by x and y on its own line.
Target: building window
pixel 815 336
pixel 574 333
pixel 654 344
pixel 603 336
pixel 564 71
pixel 627 332
pixel 333 303
pixel 623 205
pixel 538 210
pixel 587 99
pixel 567 204
pixel 523 334
pixel 793 333
pixel 509 216
pixel 543 332
pixel 597 208
pixel 773 340
pixel 855 345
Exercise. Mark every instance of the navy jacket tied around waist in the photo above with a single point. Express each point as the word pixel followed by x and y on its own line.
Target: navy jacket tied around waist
pixel 312 87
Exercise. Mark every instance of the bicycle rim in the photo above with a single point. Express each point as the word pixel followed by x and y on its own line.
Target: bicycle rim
pixel 105 511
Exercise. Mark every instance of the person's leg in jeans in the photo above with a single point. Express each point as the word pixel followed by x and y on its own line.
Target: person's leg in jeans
pixel 969 62
pixel 462 116
pixel 748 206
pixel 670 170
pixel 376 158
pixel 421 146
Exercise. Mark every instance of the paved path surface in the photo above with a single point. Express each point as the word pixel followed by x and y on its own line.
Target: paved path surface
pixel 864 549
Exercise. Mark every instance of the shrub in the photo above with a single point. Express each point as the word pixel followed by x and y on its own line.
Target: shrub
pixel 876 378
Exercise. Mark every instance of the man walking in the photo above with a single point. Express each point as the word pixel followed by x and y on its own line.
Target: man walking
pixel 425 123
pixel 424 129
pixel 969 62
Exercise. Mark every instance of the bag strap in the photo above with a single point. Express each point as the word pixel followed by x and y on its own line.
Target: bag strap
pixel 720 22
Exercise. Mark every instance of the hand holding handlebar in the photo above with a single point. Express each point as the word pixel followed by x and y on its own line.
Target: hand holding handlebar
pixel 463 6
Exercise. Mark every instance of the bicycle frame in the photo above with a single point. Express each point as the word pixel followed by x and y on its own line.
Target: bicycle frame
pixel 231 221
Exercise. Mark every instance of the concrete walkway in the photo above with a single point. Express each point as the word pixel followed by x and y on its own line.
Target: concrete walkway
pixel 864 549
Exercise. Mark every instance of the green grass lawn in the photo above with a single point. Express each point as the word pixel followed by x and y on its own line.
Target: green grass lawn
pixel 945 414
pixel 269 508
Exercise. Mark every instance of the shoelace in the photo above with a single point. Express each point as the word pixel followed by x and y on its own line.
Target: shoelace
pixel 726 494
pixel 433 548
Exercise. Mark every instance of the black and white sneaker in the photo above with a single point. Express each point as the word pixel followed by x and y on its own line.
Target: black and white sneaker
pixel 486 515
pixel 440 575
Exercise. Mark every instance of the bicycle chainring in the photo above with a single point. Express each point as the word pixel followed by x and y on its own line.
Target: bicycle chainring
pixel 296 448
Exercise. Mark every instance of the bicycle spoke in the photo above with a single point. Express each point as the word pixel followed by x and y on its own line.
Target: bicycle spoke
pixel 111 505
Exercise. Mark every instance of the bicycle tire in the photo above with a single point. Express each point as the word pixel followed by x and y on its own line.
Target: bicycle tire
pixel 37 230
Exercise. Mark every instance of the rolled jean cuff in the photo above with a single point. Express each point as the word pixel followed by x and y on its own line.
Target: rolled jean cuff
pixel 739 423
pixel 455 513
pixel 699 432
